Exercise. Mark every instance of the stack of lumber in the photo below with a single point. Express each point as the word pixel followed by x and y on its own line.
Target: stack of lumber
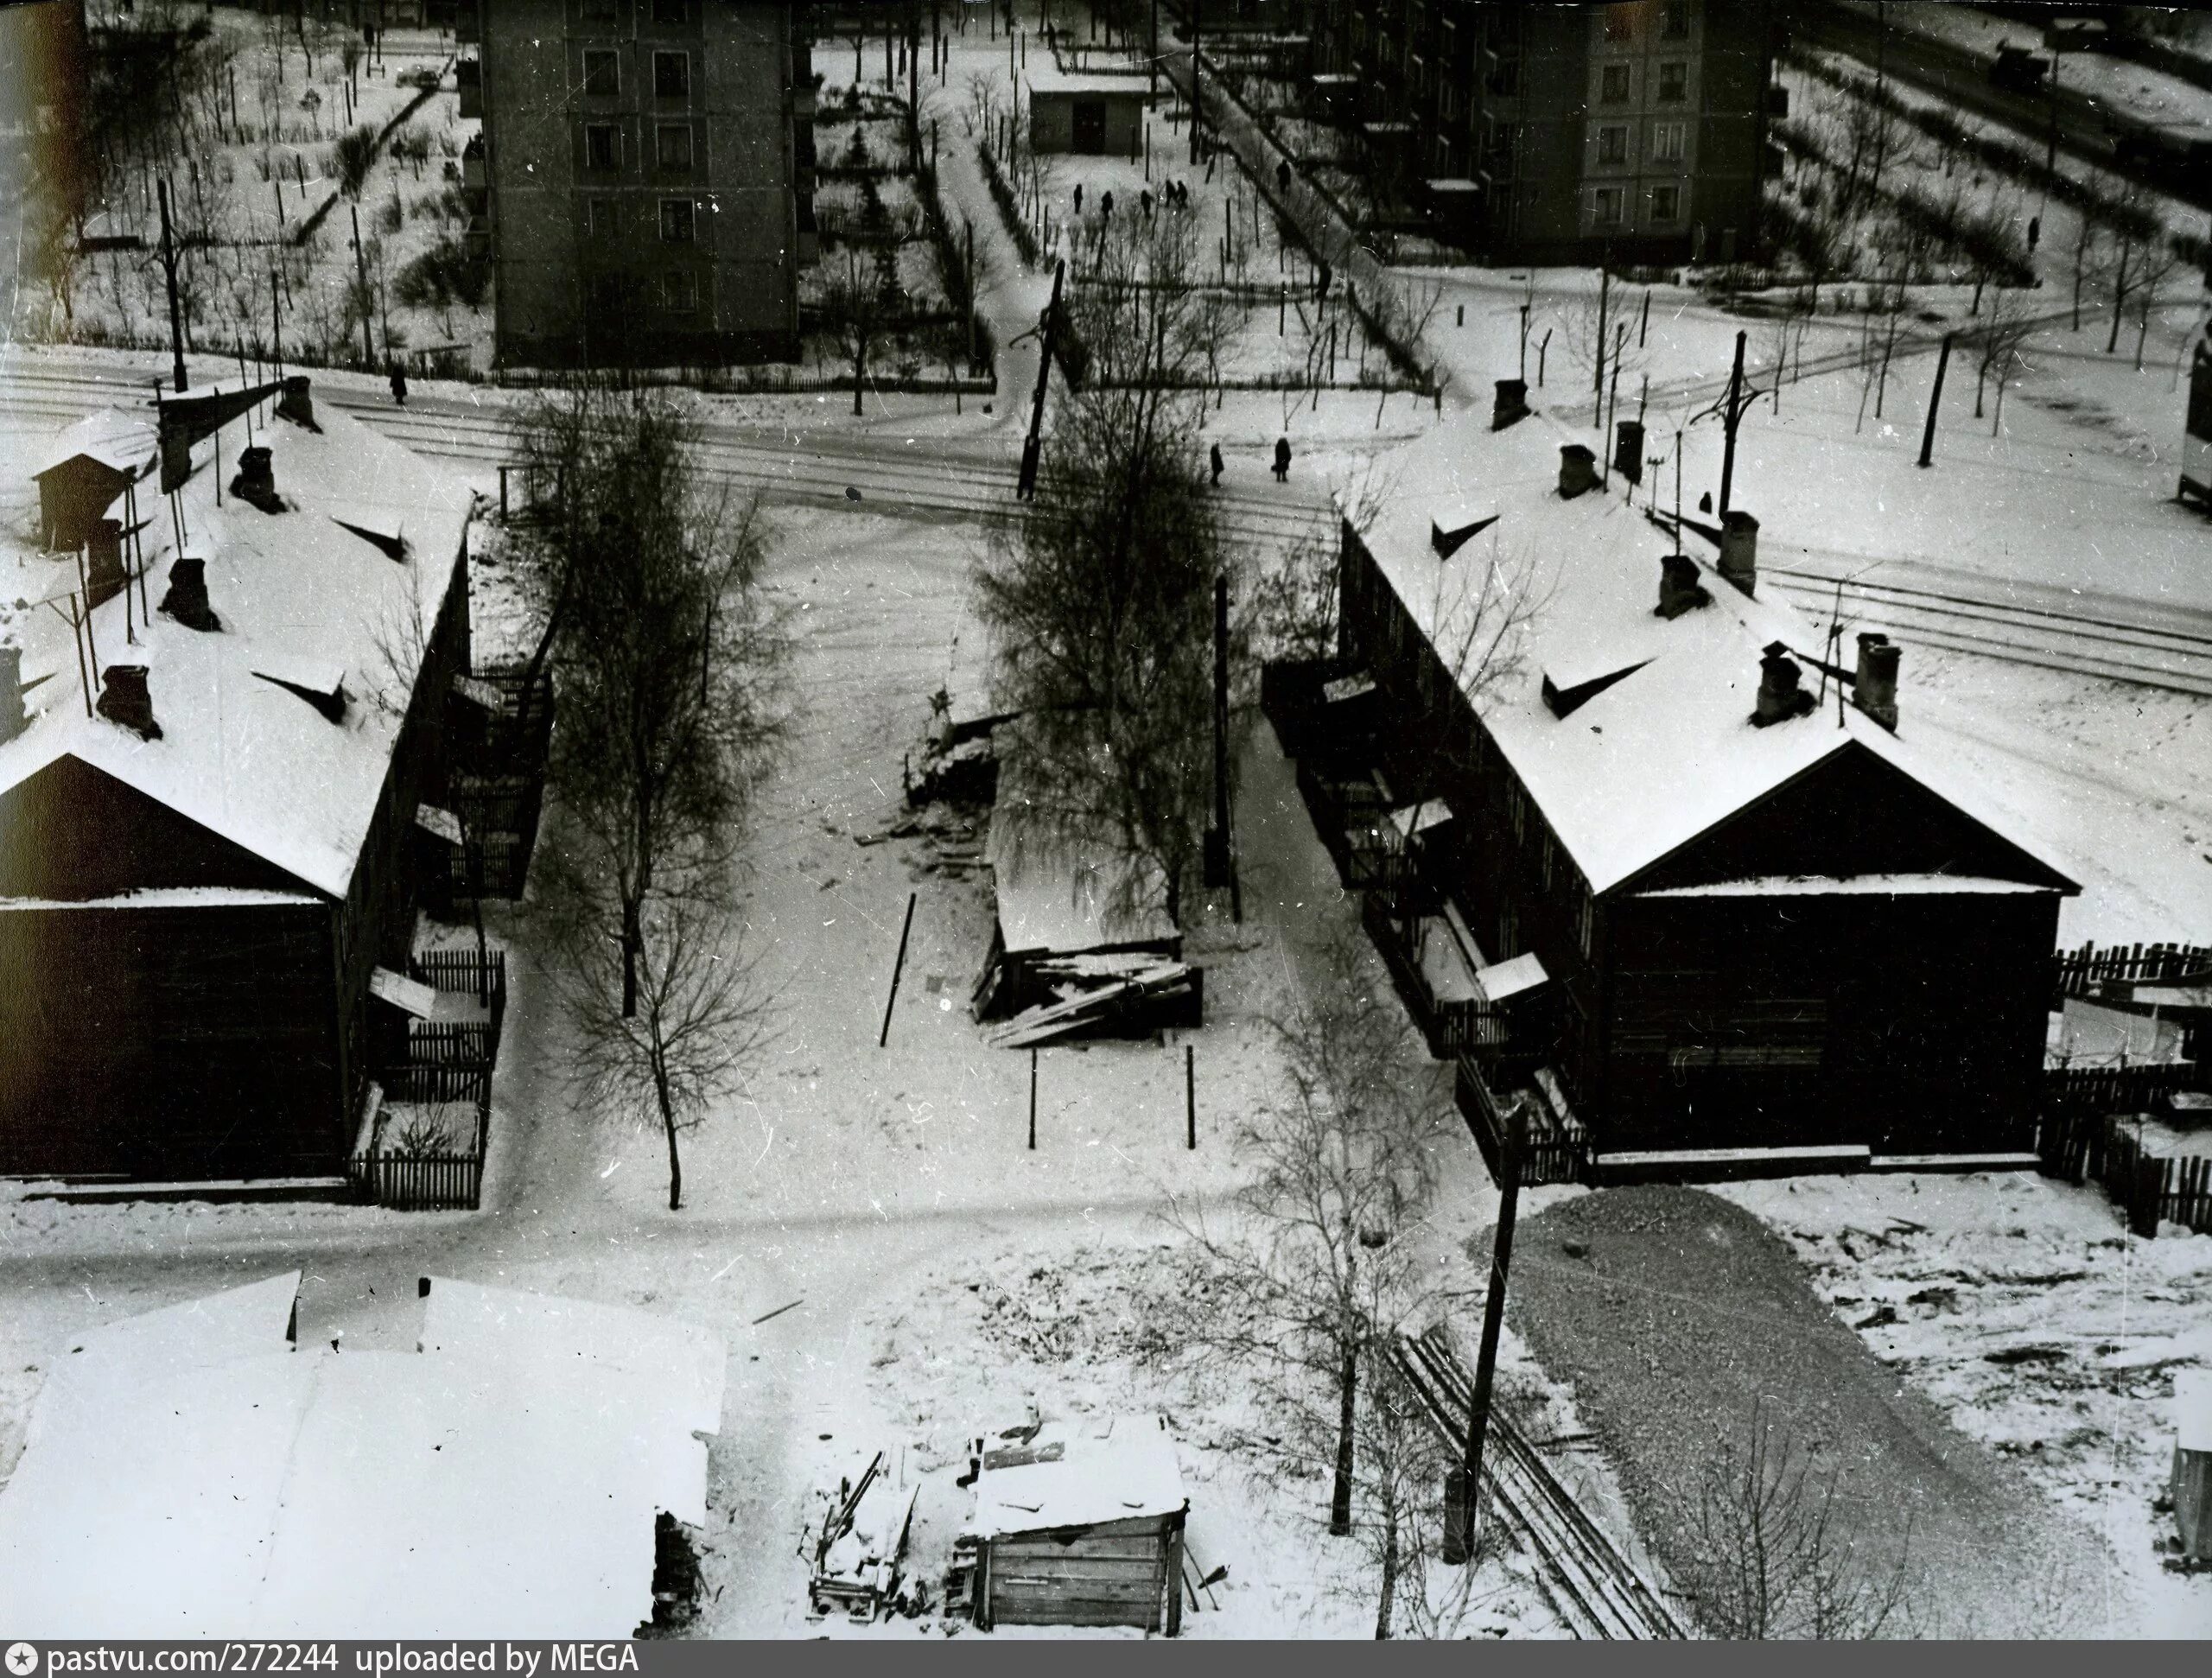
pixel 1095 993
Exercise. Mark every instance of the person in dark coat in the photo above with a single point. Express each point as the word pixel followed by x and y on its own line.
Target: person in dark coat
pixel 1144 199
pixel 1283 175
pixel 1106 205
pixel 1214 459
pixel 1282 459
pixel 2035 232
pixel 398 384
pixel 1078 198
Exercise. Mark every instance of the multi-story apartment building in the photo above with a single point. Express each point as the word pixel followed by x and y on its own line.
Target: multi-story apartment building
pixel 1558 133
pixel 650 167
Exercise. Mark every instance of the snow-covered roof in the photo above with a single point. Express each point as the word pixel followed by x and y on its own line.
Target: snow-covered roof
pixel 1505 979
pixel 190 1475
pixel 120 440
pixel 2193 1409
pixel 1857 885
pixel 1048 80
pixel 1079 1474
pixel 300 596
pixel 1667 750
pixel 1056 891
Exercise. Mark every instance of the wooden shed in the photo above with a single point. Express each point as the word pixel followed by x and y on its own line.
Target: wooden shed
pixel 1079 1524
pixel 1098 116
pixel 84 470
pixel 2192 1476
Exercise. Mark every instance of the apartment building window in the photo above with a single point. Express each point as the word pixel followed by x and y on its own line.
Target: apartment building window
pixel 1613 84
pixel 668 11
pixel 671 75
pixel 1667 142
pixel 1674 83
pixel 1612 144
pixel 679 290
pixel 598 11
pixel 672 144
pixel 677 217
pixel 1609 206
pixel 602 146
pixel 1620 23
pixel 1505 80
pixel 1675 21
pixel 1666 203
pixel 603 219
pixel 1448 101
pixel 602 71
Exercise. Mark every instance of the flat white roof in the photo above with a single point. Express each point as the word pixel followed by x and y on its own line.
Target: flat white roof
pixel 190 1474
pixel 2193 1409
pixel 1079 1474
pixel 1088 85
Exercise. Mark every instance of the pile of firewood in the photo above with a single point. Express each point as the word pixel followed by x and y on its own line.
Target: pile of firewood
pixel 1099 996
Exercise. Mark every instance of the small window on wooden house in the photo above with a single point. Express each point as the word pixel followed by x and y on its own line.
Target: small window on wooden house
pixel 1546 853
pixel 1584 911
pixel 671 75
pixel 1517 805
pixel 602 71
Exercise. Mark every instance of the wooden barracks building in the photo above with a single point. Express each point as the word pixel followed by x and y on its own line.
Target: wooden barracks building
pixel 1656 862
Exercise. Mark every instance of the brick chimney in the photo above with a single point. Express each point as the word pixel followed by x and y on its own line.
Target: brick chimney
pixel 1679 590
pixel 256 481
pixel 1628 449
pixel 1510 404
pixel 187 600
pixel 296 405
pixel 104 573
pixel 1578 470
pixel 1739 551
pixel 123 700
pixel 13 718
pixel 1781 693
pixel 1875 691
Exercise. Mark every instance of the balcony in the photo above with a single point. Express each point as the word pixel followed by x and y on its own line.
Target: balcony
pixel 1555 1147
pixel 468 80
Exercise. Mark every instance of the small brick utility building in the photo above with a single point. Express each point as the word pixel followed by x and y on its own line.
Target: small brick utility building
pixel 208 810
pixel 1761 920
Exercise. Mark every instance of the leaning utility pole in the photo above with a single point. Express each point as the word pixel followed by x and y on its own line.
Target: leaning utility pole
pixel 169 272
pixel 361 273
pixel 1735 412
pixel 1194 86
pixel 1935 402
pixel 1026 487
pixel 1216 841
pixel 1501 1261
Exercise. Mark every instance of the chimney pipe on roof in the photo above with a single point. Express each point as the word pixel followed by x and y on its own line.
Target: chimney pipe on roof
pixel 1679 590
pixel 257 479
pixel 1875 691
pixel 1578 470
pixel 1781 695
pixel 104 560
pixel 1739 549
pixel 123 700
pixel 187 600
pixel 13 718
pixel 296 405
pixel 1510 404
pixel 1628 449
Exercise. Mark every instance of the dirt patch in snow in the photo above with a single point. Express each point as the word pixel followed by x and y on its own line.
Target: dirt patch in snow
pixel 1673 1313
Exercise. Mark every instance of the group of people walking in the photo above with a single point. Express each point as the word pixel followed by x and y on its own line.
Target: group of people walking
pixel 1282 461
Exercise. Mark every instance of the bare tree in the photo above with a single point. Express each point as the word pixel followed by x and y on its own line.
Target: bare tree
pixel 2159 259
pixel 663 1039
pixel 1997 344
pixel 671 659
pixel 1299 1288
pixel 1100 593
pixel 1759 1552
pixel 853 313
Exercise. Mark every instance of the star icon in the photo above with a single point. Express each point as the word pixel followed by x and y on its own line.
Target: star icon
pixel 22 1660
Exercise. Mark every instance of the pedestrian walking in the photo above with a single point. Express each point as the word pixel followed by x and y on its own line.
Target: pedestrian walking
pixel 398 384
pixel 1078 198
pixel 1214 459
pixel 1282 459
pixel 2035 232
pixel 1106 205
pixel 1321 284
pixel 1144 200
pixel 1283 175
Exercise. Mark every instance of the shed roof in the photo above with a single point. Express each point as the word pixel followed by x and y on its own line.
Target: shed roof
pixel 296 591
pixel 1080 1474
pixel 1090 86
pixel 1669 751
pixel 247 1489
pixel 1060 891
pixel 2193 1409
pixel 120 440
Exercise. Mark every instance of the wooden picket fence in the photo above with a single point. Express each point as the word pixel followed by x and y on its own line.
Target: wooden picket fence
pixel 2091 1144
pixel 440 1181
pixel 2080 970
pixel 2146 1087
pixel 449 1064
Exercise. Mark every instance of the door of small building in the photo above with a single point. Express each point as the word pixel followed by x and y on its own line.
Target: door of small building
pixel 1090 126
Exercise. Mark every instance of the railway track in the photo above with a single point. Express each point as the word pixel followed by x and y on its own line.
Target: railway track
pixel 930 479
pixel 1598 1593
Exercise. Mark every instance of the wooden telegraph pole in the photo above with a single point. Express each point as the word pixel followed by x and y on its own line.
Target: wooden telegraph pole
pixel 1935 401
pixel 1501 1261
pixel 1026 486
pixel 168 273
pixel 1735 412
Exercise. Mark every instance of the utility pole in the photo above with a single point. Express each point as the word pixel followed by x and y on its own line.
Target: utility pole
pixel 1501 1261
pixel 1026 486
pixel 1935 401
pixel 1216 845
pixel 361 273
pixel 1735 412
pixel 169 272
pixel 1605 296
pixel 276 324
pixel 1194 84
pixel 1154 55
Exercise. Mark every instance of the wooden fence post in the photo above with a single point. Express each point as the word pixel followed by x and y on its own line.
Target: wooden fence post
pixel 1032 1101
pixel 1189 1097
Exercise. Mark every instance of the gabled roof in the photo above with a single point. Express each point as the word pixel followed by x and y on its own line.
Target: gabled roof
pixel 245 757
pixel 120 440
pixel 1667 751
